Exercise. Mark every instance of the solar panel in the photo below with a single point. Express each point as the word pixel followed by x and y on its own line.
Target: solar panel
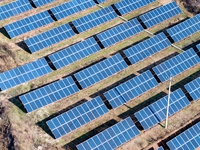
pixel 94 19
pixel 112 137
pixel 77 117
pixel 147 48
pixel 198 47
pixel 185 29
pixel 100 71
pixel 74 53
pixel 120 32
pixel 14 8
pixel 176 65
pixel 27 24
pixel 125 7
pixel 71 7
pixel 160 14
pixel 193 88
pixel 160 148
pixel 189 139
pixel 156 112
pixel 130 89
pixel 101 1
pixel 49 37
pixel 39 3
pixel 48 94
pixel 25 73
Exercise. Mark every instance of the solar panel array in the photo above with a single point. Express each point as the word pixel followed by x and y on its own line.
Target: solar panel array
pixel 120 32
pixel 112 137
pixel 39 3
pixel 100 71
pixel 101 1
pixel 77 117
pixel 189 139
pixel 71 7
pixel 130 89
pixel 49 37
pixel 147 48
pixel 156 112
pixel 198 47
pixel 160 148
pixel 176 65
pixel 193 88
pixel 160 14
pixel 94 19
pixel 125 7
pixel 185 29
pixel 27 24
pixel 74 53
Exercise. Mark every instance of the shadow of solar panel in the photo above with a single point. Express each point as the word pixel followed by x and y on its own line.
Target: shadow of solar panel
pixel 156 112
pixel 189 139
pixel 77 117
pixel 160 148
pixel 147 48
pixel 120 32
pixel 130 89
pixel 48 94
pixel 14 8
pixel 27 24
pixel 160 14
pixel 185 29
pixel 39 3
pixel 176 65
pixel 193 88
pixel 49 37
pixel 71 7
pixel 100 71
pixel 198 47
pixel 74 53
pixel 112 137
pixel 95 19
pixel 101 1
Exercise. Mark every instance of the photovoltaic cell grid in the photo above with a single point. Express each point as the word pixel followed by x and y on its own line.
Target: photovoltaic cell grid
pixel 94 19
pixel 147 48
pixel 156 112
pixel 100 71
pixel 189 139
pixel 74 53
pixel 193 88
pixel 70 8
pixel 77 117
pixel 160 14
pixel 160 148
pixel 49 38
pixel 27 24
pixel 120 32
pixel 14 8
pixel 127 6
pixel 24 74
pixel 101 1
pixel 130 89
pixel 185 29
pixel 39 3
pixel 112 137
pixel 176 65
pixel 198 47
pixel 48 94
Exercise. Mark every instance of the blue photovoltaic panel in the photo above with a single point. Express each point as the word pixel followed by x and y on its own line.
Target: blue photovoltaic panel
pixel 71 7
pixel 147 48
pixel 77 117
pixel 14 8
pixel 198 47
pixel 130 89
pixel 185 29
pixel 94 19
pixel 48 94
pixel 100 71
pixel 127 6
pixel 27 24
pixel 49 37
pixel 24 74
pixel 39 3
pixel 193 88
pixel 112 137
pixel 101 1
pixel 74 53
pixel 187 140
pixel 156 112
pixel 160 14
pixel 176 65
pixel 160 148
pixel 120 32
